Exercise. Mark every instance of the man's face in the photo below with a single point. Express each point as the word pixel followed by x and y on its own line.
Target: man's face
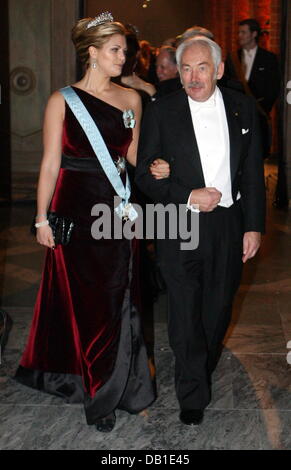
pixel 165 68
pixel 246 37
pixel 198 73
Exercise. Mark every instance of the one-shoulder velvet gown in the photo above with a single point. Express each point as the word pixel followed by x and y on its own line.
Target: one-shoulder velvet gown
pixel 85 343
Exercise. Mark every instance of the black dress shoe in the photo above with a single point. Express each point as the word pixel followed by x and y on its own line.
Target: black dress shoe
pixel 107 423
pixel 191 417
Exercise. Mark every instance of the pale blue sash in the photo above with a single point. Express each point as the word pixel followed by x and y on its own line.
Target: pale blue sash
pixel 125 209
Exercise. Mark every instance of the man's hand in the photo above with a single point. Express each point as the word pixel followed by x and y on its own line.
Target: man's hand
pixel 206 199
pixel 251 244
pixel 160 169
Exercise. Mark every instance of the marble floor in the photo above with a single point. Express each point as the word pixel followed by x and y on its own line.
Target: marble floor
pixel 251 404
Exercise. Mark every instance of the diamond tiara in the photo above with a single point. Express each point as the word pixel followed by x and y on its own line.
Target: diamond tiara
pixel 100 19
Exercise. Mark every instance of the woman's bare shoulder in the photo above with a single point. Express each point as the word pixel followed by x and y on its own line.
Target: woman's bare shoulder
pixel 56 98
pixel 55 105
pixel 129 95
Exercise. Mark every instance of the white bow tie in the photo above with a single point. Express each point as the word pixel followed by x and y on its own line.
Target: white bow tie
pixel 197 105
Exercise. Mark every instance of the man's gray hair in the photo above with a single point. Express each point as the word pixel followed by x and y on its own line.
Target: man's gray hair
pixel 195 31
pixel 203 41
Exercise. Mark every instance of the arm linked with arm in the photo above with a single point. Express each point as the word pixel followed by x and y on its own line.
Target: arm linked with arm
pixel 150 148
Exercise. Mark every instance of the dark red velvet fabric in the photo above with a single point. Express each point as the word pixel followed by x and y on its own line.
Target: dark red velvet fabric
pixel 76 324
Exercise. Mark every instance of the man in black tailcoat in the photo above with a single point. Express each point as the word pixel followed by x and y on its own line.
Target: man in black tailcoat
pixel 259 72
pixel 211 140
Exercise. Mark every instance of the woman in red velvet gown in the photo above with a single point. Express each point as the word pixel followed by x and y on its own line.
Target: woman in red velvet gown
pixel 85 342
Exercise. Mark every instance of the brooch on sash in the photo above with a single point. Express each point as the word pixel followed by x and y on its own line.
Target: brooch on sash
pixel 126 211
pixel 128 118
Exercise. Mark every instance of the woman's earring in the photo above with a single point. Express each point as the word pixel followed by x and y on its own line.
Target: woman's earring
pixel 94 65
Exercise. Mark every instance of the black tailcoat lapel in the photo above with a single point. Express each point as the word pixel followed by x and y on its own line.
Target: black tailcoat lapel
pixel 188 148
pixel 233 115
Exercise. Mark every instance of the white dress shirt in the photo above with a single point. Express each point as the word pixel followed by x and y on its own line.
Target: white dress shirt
pixel 211 131
pixel 248 60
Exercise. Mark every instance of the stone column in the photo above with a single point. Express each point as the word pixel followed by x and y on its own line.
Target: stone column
pixel 30 64
pixel 5 154
pixel 42 59
pixel 64 14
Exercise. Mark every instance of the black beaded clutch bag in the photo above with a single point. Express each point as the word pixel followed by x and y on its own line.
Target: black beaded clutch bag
pixel 62 228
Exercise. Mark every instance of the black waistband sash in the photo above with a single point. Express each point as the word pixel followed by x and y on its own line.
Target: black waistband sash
pixel 80 163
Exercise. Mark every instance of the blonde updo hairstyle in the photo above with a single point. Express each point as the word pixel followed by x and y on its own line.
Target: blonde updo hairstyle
pixel 95 36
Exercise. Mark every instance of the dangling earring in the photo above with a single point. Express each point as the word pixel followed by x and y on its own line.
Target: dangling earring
pixel 94 65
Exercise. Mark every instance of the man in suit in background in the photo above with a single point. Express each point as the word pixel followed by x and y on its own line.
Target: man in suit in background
pixel 259 72
pixel 167 72
pixel 211 139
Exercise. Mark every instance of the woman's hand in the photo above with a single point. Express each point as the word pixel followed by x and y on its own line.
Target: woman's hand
pixel 160 169
pixel 44 236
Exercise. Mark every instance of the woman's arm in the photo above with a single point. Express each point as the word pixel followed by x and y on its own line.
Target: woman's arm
pixel 50 165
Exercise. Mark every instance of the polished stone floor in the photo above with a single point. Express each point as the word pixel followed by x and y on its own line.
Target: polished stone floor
pixel 251 405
